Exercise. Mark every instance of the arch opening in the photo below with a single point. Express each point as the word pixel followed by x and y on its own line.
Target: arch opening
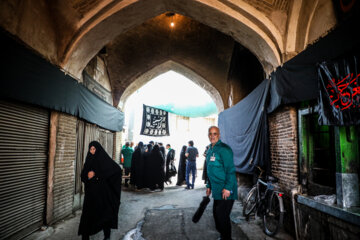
pixel 176 67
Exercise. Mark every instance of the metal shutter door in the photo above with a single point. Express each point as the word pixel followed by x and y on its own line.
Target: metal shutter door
pixel 23 168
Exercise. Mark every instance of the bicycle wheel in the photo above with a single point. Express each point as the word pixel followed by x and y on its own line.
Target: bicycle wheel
pixel 273 217
pixel 250 202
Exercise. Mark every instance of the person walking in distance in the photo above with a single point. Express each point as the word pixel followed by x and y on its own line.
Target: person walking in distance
pixel 222 182
pixel 127 153
pixel 191 154
pixel 170 157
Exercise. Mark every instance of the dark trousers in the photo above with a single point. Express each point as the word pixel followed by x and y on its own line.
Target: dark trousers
pixel 106 231
pixel 190 167
pixel 221 212
pixel 127 172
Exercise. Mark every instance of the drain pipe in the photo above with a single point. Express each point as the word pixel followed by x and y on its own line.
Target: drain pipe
pixel 295 191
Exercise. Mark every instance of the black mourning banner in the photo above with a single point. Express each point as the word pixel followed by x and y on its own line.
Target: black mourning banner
pixel 155 122
pixel 339 99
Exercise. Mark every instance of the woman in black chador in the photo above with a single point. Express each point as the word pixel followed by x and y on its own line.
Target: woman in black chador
pixel 155 170
pixel 182 167
pixel 137 167
pixel 102 179
pixel 147 166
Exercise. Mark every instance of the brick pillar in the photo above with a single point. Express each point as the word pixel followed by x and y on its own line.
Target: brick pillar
pixel 347 163
pixel 283 146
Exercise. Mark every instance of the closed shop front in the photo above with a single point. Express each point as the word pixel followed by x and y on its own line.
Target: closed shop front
pixel 86 133
pixel 24 134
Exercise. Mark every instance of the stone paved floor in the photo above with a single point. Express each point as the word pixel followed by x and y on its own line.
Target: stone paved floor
pixel 162 215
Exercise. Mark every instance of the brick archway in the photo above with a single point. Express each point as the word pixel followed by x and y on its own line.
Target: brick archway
pixel 244 23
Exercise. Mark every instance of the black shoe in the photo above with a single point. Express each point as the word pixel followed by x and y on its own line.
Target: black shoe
pixel 187 188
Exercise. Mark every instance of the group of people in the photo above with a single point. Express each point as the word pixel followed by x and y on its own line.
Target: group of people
pixel 150 166
pixel 102 178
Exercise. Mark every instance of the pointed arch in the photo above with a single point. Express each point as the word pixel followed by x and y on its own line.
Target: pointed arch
pixel 244 23
pixel 176 67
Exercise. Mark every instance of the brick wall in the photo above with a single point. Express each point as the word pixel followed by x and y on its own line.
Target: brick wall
pixel 64 169
pixel 283 146
pixel 284 156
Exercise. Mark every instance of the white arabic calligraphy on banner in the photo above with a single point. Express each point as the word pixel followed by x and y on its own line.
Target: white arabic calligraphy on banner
pixel 155 122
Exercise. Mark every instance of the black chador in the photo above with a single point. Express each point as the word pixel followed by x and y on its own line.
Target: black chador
pixel 169 158
pixel 102 179
pixel 137 167
pixel 182 167
pixel 155 170
pixel 147 166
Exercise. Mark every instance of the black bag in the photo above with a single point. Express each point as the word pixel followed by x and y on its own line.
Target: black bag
pixel 199 212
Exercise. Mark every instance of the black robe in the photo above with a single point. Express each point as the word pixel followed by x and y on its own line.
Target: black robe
pixel 102 192
pixel 162 150
pixel 147 166
pixel 137 167
pixel 169 158
pixel 182 167
pixel 204 175
pixel 155 174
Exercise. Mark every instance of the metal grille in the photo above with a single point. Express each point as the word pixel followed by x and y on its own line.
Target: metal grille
pixel 23 168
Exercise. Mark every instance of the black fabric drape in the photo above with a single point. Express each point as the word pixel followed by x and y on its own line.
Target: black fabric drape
pixel 297 79
pixel 339 100
pixel 29 78
pixel 102 192
pixel 244 128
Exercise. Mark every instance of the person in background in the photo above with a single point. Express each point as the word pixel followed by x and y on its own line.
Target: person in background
pixel 170 157
pixel 222 181
pixel 102 178
pixel 182 167
pixel 162 149
pixel 127 153
pixel 147 166
pixel 155 170
pixel 137 167
pixel 204 175
pixel 191 154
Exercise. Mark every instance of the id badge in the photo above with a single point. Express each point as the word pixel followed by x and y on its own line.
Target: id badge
pixel 212 158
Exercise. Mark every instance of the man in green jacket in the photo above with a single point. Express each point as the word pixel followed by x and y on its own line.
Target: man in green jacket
pixel 127 152
pixel 222 181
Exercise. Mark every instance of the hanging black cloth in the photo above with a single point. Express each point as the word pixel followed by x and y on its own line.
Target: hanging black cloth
pixel 339 100
pixel 102 192
pixel 244 127
pixel 297 79
pixel 137 166
pixel 182 167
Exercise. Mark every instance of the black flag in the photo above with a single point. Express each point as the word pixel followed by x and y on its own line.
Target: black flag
pixel 339 100
pixel 155 122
